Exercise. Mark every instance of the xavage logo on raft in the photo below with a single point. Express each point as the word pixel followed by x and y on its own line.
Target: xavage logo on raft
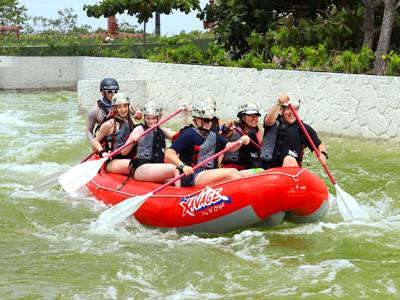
pixel 208 201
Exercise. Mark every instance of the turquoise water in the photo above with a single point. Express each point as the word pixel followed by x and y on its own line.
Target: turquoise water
pixel 50 249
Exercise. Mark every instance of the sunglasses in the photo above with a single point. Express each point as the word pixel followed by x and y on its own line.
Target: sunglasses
pixel 111 91
pixel 206 120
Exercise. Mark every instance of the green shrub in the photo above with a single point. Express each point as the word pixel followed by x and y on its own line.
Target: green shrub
pixel 315 58
pixel 350 62
pixel 289 57
pixel 392 63
pixel 216 55
pixel 185 54
pixel 251 60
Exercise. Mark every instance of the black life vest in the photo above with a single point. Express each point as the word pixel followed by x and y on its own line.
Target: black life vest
pixel 207 149
pixel 151 147
pixel 274 141
pixel 106 110
pixel 245 154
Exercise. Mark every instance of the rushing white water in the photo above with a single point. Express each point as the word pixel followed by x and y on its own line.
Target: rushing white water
pixel 50 248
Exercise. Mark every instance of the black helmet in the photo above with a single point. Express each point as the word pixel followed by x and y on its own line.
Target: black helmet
pixel 109 84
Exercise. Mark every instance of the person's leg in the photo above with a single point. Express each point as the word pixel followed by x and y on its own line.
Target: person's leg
pixel 155 172
pixel 289 161
pixel 249 172
pixel 216 176
pixel 120 166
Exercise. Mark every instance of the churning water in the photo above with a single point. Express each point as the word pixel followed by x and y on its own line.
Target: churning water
pixel 49 250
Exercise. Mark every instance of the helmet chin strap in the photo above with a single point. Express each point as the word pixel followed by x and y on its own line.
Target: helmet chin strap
pixel 206 131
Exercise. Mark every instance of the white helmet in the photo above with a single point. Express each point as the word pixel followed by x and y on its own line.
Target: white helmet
pixel 152 109
pixel 120 98
pixel 203 109
pixel 248 109
pixel 294 100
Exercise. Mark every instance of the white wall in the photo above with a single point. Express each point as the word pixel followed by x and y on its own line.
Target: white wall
pixel 38 72
pixel 342 104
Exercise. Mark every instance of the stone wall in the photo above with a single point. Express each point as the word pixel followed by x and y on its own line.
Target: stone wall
pixel 341 104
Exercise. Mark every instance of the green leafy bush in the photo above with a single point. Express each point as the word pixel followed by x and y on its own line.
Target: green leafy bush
pixel 315 58
pixel 216 55
pixel 350 62
pixel 392 63
pixel 185 54
pixel 251 60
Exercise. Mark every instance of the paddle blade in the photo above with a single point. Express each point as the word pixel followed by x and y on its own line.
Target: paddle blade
pixel 79 175
pixel 348 206
pixel 47 182
pixel 122 210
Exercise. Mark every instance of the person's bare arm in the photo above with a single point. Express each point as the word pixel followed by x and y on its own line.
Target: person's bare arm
pixel 245 141
pixel 90 123
pixel 169 133
pixel 105 130
pixel 323 155
pixel 273 112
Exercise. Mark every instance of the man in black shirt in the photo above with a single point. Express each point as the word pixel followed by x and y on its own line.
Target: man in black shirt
pixel 283 140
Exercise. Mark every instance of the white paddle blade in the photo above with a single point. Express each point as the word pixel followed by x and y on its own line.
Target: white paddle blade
pixel 79 175
pixel 348 206
pixel 47 182
pixel 122 210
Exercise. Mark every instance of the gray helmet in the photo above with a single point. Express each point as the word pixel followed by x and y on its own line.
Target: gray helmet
pixel 294 100
pixel 152 109
pixel 109 84
pixel 203 109
pixel 120 98
pixel 248 109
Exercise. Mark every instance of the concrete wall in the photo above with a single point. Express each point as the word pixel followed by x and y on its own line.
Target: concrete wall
pixel 342 104
pixel 38 72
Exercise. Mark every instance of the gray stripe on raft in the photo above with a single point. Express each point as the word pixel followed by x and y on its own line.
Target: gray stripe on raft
pixel 272 220
pixel 241 218
pixel 314 217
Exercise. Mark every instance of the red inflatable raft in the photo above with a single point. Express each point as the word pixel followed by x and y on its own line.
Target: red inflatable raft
pixel 263 199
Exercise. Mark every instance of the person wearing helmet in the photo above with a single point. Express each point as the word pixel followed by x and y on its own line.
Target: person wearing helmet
pixel 283 140
pixel 114 133
pixel 247 157
pixel 147 164
pixel 195 144
pixel 100 112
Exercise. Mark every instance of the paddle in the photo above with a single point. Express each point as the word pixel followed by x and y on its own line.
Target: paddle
pixel 347 205
pixel 51 180
pixel 239 130
pixel 124 209
pixel 79 175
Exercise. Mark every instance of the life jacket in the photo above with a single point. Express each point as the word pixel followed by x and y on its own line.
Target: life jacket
pixel 233 157
pixel 241 157
pixel 107 112
pixel 274 140
pixel 269 141
pixel 151 147
pixel 118 137
pixel 205 150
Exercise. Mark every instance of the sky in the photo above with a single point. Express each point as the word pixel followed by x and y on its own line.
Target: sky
pixel 170 24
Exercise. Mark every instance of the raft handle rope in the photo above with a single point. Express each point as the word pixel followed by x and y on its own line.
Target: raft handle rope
pixel 98 186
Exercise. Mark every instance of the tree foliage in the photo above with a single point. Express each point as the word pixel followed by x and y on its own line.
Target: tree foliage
pixel 64 23
pixel 12 12
pixel 236 19
pixel 143 10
